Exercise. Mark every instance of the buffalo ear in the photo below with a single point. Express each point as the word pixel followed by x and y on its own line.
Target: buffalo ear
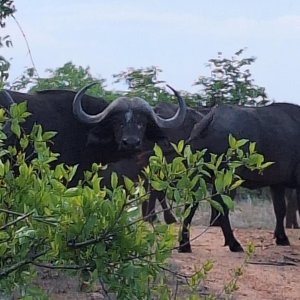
pixel 200 128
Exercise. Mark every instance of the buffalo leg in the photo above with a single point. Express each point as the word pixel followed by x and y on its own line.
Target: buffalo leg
pixel 168 215
pixel 184 243
pixel 223 221
pixel 291 208
pixel 225 225
pixel 148 208
pixel 277 193
pixel 214 219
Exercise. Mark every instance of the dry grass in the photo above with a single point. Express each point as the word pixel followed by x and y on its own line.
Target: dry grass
pixel 247 214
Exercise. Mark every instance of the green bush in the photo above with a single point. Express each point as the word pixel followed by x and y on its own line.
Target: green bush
pixel 97 233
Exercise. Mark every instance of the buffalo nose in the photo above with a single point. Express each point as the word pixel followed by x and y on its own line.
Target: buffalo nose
pixel 131 142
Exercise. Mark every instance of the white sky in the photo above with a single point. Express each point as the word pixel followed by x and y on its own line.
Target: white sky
pixel 178 36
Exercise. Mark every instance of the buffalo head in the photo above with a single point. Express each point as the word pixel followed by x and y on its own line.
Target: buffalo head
pixel 126 120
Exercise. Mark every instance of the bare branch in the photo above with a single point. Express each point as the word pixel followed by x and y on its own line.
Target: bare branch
pixel 31 257
pixel 27 45
pixel 20 218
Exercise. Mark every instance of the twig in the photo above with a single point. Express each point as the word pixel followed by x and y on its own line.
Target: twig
pixel 20 218
pixel 36 218
pixel 272 263
pixel 29 260
pixel 104 289
pixel 72 244
pixel 53 267
pixel 27 45
pixel 296 260
pixel 264 246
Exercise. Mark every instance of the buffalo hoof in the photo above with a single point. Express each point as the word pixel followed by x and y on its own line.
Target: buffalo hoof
pixel 169 218
pixel 185 248
pixel 282 241
pixel 235 247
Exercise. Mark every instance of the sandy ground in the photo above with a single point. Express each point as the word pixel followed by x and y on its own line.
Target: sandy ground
pixel 273 272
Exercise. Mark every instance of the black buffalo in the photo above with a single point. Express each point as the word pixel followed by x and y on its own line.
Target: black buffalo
pixel 193 116
pixel 132 166
pixel 276 131
pixel 91 130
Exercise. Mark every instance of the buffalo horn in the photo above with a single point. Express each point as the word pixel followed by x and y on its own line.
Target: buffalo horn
pixel 174 121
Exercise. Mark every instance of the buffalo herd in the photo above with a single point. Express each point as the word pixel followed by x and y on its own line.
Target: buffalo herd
pixel 92 130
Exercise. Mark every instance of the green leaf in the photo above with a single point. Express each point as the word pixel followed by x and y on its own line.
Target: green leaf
pixel 114 180
pixel 15 128
pixel 216 205
pixel 227 178
pixel 24 142
pixel 177 196
pixel 2 168
pixel 180 146
pixel 219 182
pixel 241 142
pixel 219 161
pixel 252 146
pixel 267 164
pixel 228 201
pixel 158 151
pixel 72 192
pixel 236 184
pixel 232 142
pixel 48 135
pixel 184 183
pixel 159 185
pixel 128 184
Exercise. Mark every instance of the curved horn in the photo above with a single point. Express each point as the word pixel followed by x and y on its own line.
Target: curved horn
pixel 78 110
pixel 84 117
pixel 178 118
pixel 10 101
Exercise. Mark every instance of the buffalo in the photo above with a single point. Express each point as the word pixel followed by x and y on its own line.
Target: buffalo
pixel 193 116
pixel 276 131
pixel 91 130
pixel 132 166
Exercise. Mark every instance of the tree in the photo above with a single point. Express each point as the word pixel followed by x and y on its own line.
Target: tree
pixel 69 76
pixel 230 82
pixel 145 83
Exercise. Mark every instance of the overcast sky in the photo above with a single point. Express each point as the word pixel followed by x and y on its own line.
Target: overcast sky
pixel 178 36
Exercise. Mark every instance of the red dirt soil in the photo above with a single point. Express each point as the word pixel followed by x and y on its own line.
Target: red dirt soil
pixel 273 272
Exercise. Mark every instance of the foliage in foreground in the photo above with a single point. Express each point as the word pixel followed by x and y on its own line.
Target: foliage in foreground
pixel 98 233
